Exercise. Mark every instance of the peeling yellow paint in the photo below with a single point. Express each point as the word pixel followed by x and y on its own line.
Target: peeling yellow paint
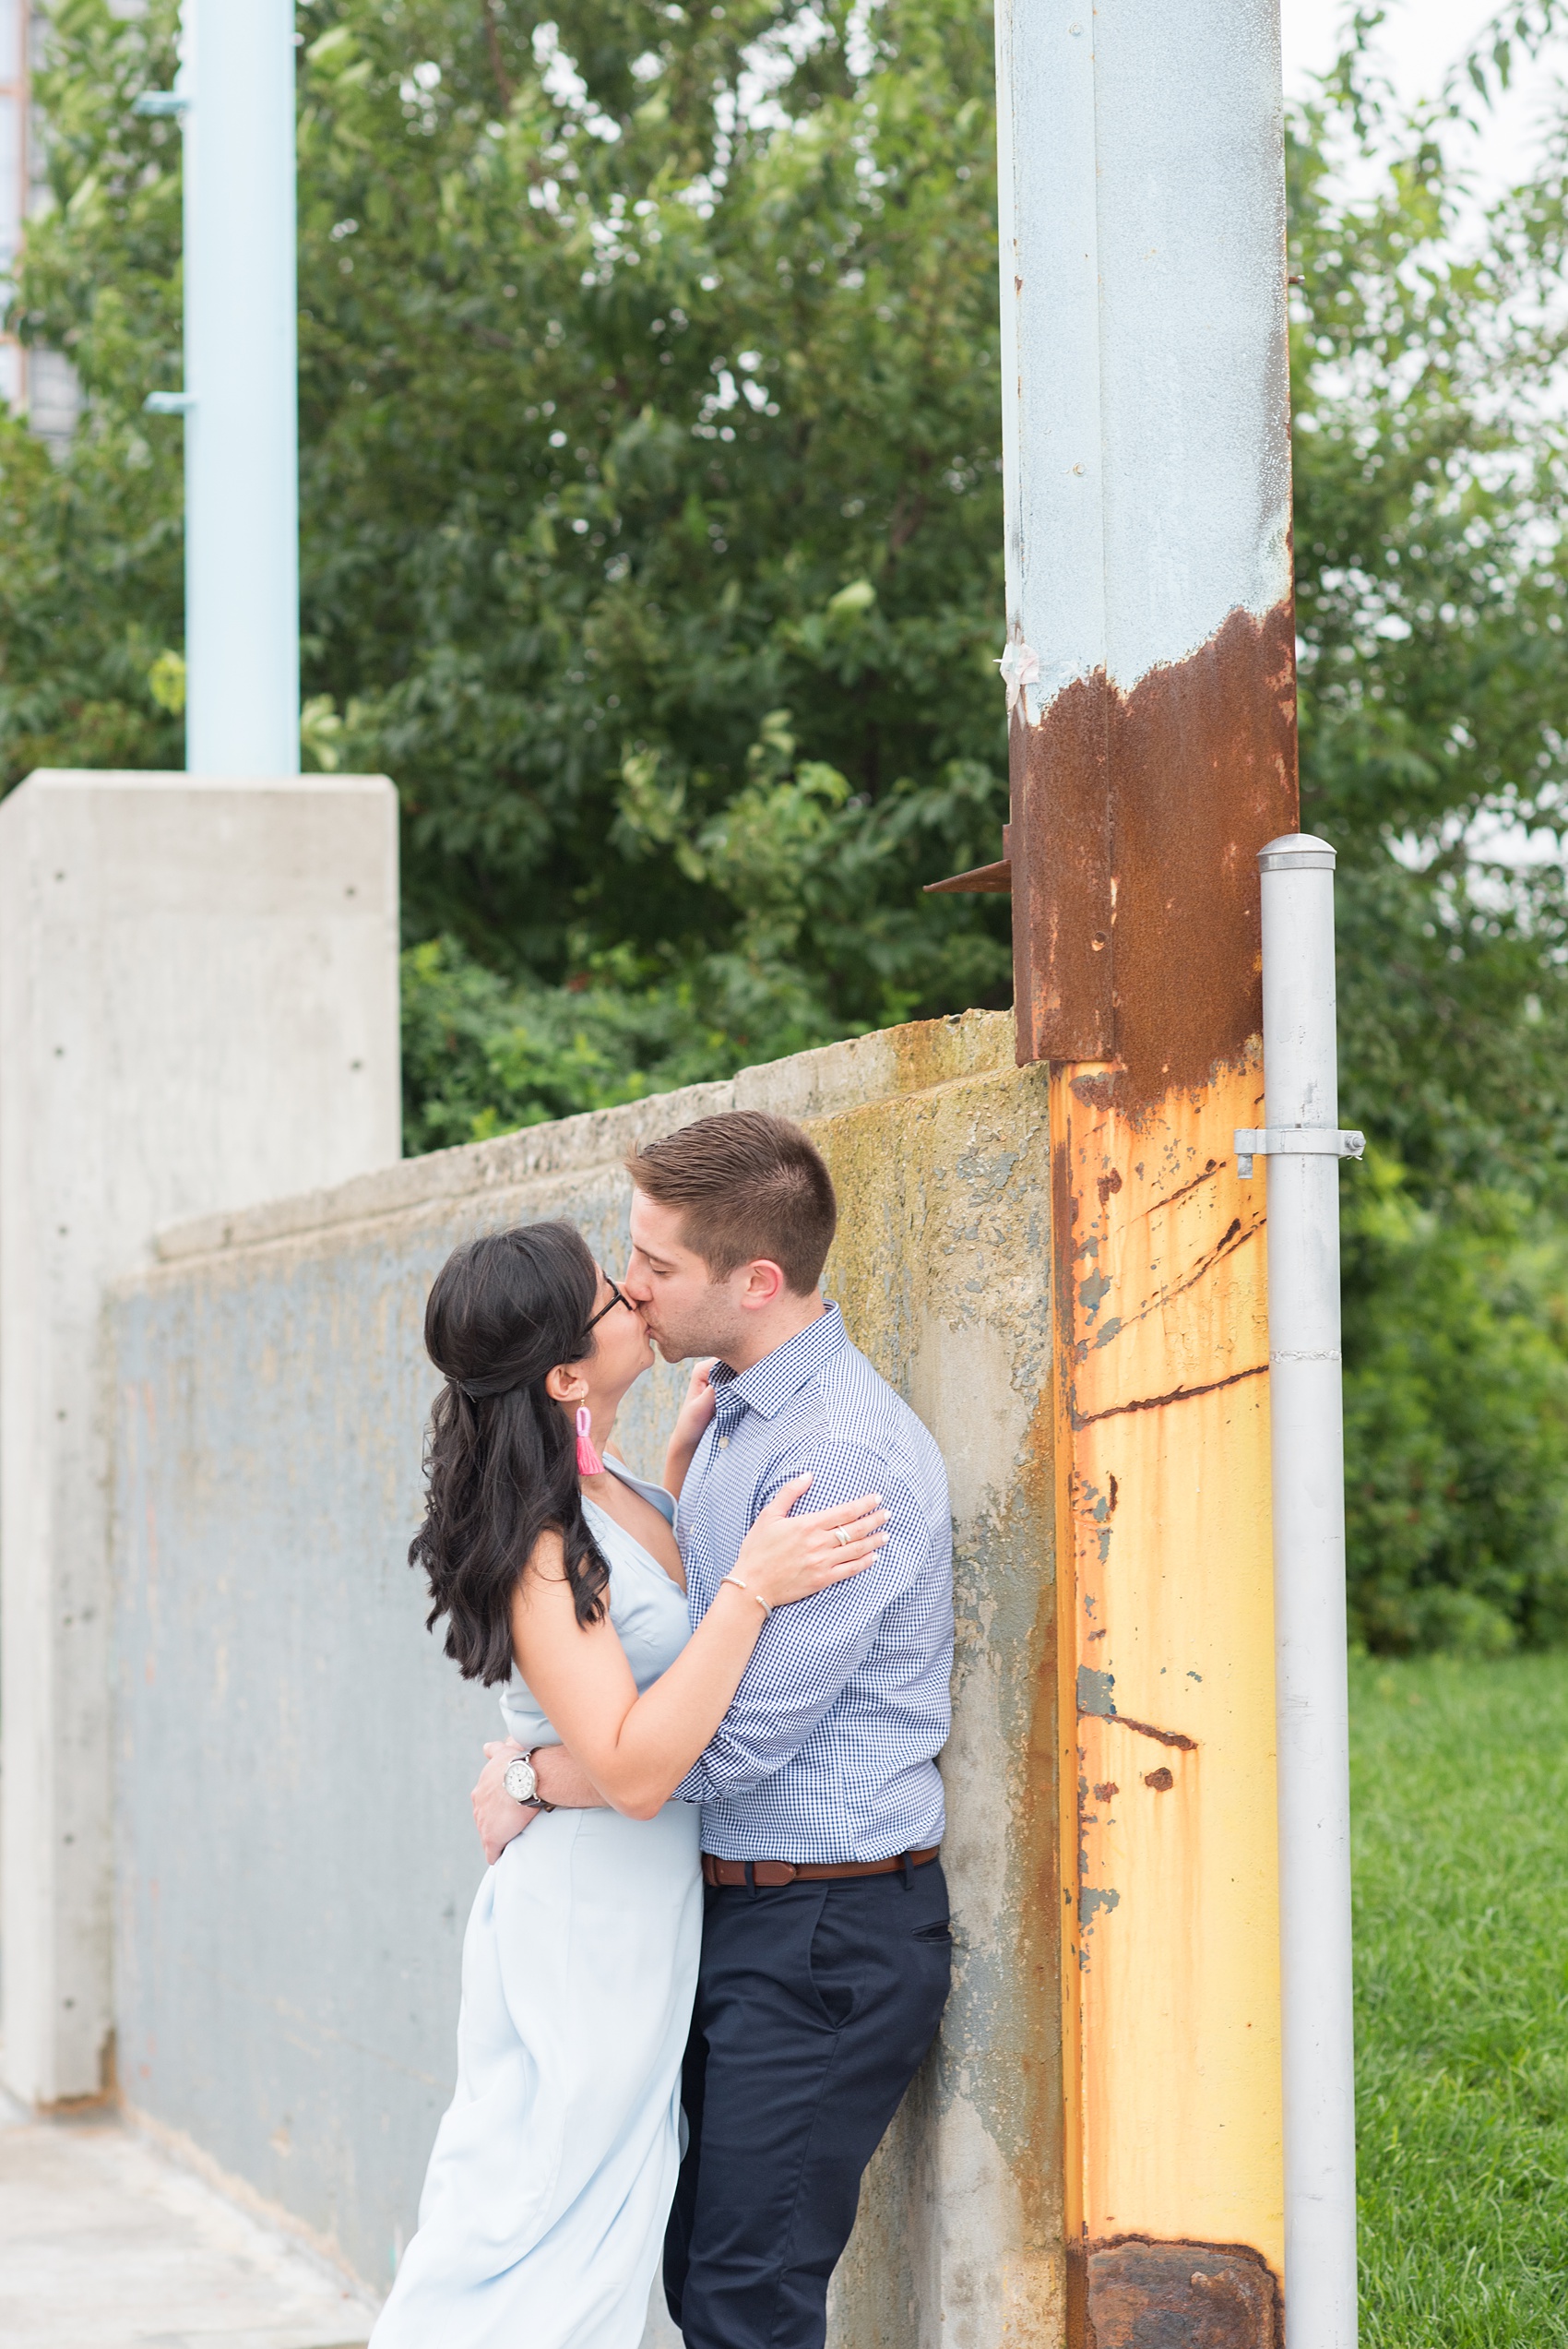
pixel 1170 1981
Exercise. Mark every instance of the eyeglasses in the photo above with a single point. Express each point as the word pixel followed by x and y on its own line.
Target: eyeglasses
pixel 615 1298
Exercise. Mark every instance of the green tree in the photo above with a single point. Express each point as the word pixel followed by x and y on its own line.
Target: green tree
pixel 1430 476
pixel 651 506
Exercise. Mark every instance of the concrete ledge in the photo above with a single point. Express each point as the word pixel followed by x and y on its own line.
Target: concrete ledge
pixel 839 1077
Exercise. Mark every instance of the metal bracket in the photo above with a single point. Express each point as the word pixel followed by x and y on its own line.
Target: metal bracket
pixel 168 403
pixel 161 101
pixel 1294 1141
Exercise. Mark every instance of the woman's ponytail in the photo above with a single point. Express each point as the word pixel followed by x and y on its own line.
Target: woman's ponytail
pixel 500 1461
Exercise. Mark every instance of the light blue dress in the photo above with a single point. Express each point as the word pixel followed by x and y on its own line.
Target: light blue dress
pixel 544 2205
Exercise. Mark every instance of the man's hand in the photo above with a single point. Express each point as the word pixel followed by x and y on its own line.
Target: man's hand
pixel 496 1816
pixel 562 1782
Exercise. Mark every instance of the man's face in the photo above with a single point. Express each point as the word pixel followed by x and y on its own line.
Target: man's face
pixel 687 1312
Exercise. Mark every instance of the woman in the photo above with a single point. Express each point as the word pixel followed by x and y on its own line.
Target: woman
pixel 545 2201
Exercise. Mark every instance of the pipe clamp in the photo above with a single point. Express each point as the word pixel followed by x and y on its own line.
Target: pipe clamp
pixel 1294 1141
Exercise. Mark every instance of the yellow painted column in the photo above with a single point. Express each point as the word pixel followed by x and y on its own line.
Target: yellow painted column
pixel 1171 1965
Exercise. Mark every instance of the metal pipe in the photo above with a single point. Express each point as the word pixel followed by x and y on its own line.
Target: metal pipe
pixel 242 457
pixel 1301 1084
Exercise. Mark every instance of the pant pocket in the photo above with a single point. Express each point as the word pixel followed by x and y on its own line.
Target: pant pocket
pixel 834 1963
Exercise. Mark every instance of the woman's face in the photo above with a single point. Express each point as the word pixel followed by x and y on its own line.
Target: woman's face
pixel 622 1348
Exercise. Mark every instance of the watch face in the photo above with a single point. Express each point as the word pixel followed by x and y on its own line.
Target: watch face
pixel 519 1779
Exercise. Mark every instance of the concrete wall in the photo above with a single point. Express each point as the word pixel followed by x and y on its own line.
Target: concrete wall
pixel 294 1755
pixel 197 1008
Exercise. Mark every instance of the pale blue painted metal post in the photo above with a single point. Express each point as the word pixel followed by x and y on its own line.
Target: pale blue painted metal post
pixel 241 398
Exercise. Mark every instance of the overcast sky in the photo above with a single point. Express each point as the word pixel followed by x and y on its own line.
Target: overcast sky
pixel 1420 41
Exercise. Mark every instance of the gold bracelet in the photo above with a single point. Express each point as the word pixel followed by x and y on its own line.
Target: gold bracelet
pixel 749 1591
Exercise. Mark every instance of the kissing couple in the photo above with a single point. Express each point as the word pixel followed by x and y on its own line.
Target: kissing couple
pixel 712 1947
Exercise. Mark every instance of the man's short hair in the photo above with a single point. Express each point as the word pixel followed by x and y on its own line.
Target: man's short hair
pixel 747 1185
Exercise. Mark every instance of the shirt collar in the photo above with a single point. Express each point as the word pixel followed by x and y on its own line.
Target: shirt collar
pixel 767 1386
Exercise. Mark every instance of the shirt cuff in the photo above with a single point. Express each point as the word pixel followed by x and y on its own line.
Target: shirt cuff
pixel 691 1789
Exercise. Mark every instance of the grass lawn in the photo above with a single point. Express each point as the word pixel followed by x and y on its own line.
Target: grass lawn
pixel 1461 1829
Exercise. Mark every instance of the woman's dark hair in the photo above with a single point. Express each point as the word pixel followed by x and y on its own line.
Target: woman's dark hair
pixel 501 1464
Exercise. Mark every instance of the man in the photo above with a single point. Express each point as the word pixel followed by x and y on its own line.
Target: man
pixel 826 1946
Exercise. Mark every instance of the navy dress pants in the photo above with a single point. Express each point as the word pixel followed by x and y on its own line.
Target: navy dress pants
pixel 816 2004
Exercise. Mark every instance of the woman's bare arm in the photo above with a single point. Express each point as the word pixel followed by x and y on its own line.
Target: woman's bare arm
pixel 636 1749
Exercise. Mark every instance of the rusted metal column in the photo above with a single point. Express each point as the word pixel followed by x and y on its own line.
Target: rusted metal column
pixel 1149 668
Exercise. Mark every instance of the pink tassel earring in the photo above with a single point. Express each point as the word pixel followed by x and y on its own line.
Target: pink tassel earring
pixel 589 1461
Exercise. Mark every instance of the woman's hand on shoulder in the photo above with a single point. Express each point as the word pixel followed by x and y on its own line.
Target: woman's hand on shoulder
pixel 691 1421
pixel 785 1558
pixel 697 1407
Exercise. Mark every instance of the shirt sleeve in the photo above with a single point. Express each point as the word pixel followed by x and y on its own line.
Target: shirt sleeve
pixel 811 1649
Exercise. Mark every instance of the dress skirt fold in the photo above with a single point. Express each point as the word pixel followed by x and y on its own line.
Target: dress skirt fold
pixel 544 2206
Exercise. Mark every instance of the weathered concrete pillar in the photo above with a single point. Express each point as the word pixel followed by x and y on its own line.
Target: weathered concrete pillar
pixel 197 1009
pixel 1149 667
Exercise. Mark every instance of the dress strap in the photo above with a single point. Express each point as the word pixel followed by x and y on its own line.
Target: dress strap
pixel 662 1501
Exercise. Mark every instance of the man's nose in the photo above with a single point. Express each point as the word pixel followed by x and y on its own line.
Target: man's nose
pixel 636 1286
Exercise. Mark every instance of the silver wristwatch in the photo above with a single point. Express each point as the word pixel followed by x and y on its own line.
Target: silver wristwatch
pixel 522 1783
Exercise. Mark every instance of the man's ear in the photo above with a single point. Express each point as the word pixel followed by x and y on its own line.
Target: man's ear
pixel 566 1383
pixel 763 1282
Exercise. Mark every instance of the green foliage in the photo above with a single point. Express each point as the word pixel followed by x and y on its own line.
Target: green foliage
pixel 91 587
pixel 633 414
pixel 1456 1420
pixel 483 1054
pixel 651 540
pixel 651 519
pixel 1431 465
pixel 1430 561
pixel 1460 1787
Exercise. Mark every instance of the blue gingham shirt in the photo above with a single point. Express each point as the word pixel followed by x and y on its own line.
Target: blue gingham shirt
pixel 828 1750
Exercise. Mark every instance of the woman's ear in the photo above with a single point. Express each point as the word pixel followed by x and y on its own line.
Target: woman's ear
pixel 566 1383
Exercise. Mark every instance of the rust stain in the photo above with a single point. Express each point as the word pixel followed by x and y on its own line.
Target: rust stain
pixel 1132 853
pixel 1062 783
pixel 1176 1395
pixel 1145 2295
pixel 1202 773
pixel 1161 1780
pixel 1162 1736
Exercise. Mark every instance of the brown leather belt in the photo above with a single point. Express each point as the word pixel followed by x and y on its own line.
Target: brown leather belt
pixel 754 1872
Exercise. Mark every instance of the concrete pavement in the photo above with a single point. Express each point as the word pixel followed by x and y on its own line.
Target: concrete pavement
pixel 106 2243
